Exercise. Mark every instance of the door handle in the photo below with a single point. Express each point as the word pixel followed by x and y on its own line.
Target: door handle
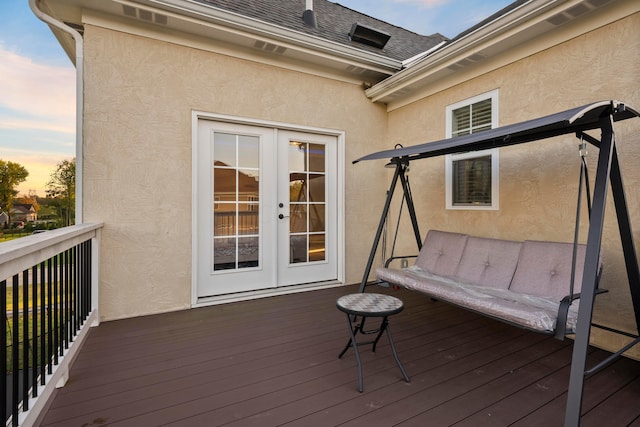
pixel 282 216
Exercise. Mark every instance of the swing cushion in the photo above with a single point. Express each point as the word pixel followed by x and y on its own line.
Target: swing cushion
pixel 544 269
pixel 441 252
pixel 488 262
pixel 519 283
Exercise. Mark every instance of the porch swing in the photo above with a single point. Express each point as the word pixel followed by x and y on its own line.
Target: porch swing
pixel 584 260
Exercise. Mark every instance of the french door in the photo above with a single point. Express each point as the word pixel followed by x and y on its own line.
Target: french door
pixel 266 208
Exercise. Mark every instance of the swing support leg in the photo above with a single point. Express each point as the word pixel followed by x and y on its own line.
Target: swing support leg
pixel 410 207
pixel 399 174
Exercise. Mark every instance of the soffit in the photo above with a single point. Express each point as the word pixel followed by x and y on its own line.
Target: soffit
pixel 470 54
pixel 265 39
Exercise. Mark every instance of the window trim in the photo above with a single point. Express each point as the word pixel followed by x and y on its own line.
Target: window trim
pixel 494 153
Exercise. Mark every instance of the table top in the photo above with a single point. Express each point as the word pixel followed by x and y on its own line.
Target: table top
pixel 369 304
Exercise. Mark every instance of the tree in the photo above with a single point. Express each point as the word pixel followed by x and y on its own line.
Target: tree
pixel 11 174
pixel 62 187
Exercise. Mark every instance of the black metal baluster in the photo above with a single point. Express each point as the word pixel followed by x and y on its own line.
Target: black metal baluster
pixel 34 332
pixel 3 352
pixel 74 291
pixel 25 340
pixel 43 326
pixel 86 279
pixel 56 302
pixel 88 289
pixel 15 354
pixel 64 314
pixel 50 315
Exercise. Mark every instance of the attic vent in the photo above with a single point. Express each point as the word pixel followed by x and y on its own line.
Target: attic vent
pixel 598 3
pixel 369 36
pixel 576 11
pixel 130 11
pixel 144 15
pixel 558 19
pixel 476 57
pixel 269 47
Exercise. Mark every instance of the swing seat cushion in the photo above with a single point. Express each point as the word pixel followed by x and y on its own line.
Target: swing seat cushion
pixel 520 283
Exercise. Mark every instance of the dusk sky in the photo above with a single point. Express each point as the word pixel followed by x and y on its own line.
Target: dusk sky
pixel 37 79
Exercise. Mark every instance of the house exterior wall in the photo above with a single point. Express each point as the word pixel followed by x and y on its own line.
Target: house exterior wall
pixel 539 180
pixel 139 97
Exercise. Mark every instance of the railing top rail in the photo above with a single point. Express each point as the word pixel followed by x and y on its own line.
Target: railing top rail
pixel 20 254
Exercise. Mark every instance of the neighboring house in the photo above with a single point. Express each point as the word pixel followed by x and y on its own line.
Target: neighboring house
pixel 171 87
pixel 24 212
pixel 4 219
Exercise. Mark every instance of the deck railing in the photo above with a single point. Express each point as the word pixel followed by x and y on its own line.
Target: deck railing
pixel 49 297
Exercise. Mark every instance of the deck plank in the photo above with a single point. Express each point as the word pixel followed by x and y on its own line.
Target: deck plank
pixel 273 361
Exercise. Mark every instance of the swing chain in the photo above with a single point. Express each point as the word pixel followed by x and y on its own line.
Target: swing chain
pixel 582 148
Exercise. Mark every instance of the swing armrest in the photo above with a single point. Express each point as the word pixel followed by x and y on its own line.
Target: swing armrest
pixel 563 310
pixel 389 260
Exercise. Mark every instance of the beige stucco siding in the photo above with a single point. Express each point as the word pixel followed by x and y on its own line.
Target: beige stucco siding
pixel 539 180
pixel 139 98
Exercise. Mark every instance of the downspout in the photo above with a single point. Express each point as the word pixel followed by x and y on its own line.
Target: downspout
pixel 77 37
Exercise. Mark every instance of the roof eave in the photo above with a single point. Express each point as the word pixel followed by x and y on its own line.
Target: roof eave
pixel 507 32
pixel 189 12
pixel 459 48
pixel 272 31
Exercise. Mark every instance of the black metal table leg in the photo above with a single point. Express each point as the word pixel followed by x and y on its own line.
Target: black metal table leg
pixel 369 305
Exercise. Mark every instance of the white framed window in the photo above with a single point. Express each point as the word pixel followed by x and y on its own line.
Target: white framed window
pixel 472 177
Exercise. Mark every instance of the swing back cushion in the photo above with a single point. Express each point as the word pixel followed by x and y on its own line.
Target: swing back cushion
pixel 488 262
pixel 517 282
pixel 441 252
pixel 545 269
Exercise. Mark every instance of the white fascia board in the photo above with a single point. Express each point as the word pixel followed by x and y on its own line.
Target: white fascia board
pixel 263 29
pixel 415 59
pixel 458 49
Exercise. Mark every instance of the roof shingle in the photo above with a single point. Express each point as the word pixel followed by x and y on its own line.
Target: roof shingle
pixel 334 24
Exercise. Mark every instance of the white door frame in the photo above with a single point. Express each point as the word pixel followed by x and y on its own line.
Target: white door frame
pixel 340 198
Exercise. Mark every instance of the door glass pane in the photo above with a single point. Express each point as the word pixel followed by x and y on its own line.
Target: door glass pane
pixel 236 204
pixel 316 188
pixel 248 250
pixel 248 185
pixel 224 184
pixel 224 221
pixel 316 217
pixel 224 254
pixel 224 149
pixel 316 247
pixel 248 218
pixel 298 218
pixel 297 187
pixel 297 156
pixel 316 158
pixel 298 249
pixel 248 151
pixel 307 202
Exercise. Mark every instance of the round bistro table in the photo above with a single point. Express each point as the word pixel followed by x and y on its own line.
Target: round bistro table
pixel 365 305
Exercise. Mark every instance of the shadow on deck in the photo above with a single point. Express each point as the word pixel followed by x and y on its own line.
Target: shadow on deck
pixel 274 361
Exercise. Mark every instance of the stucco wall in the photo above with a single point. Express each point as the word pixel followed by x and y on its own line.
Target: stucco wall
pixel 539 181
pixel 139 97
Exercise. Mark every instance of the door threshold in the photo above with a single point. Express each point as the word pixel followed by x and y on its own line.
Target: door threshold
pixel 264 293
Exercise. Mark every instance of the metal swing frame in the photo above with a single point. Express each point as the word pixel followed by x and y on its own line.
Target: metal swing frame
pixel 599 115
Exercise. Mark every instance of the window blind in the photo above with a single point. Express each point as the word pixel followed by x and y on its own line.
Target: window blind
pixel 471 181
pixel 471 118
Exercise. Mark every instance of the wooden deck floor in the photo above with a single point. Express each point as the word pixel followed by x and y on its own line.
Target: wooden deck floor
pixel 274 361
